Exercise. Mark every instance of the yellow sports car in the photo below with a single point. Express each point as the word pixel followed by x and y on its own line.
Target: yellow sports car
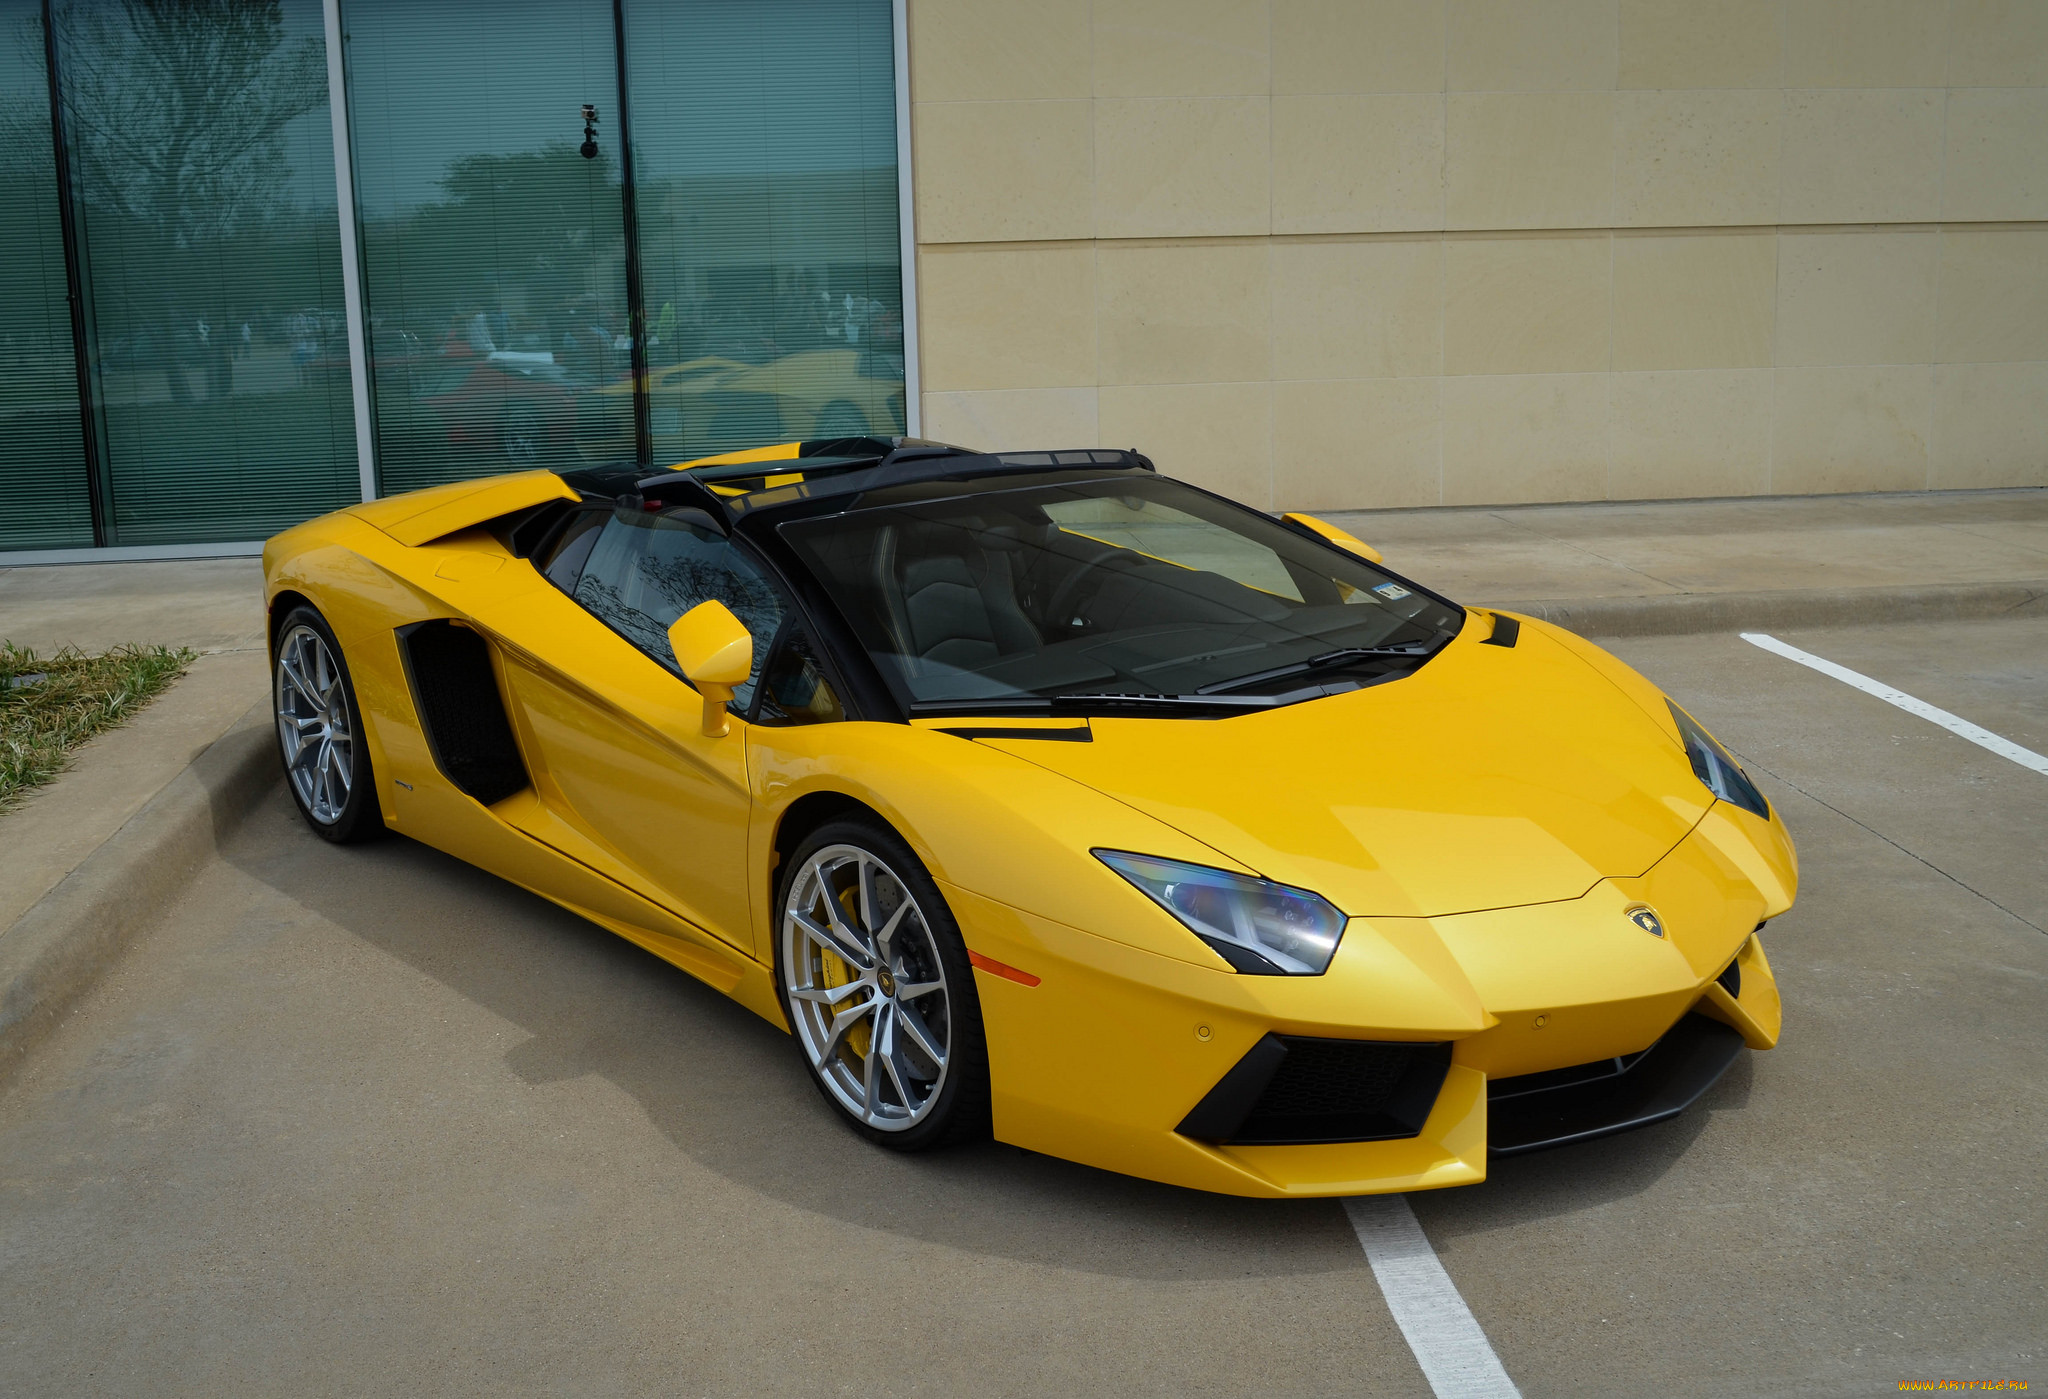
pixel 1039 794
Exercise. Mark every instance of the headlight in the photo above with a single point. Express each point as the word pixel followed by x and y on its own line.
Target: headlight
pixel 1257 926
pixel 1721 774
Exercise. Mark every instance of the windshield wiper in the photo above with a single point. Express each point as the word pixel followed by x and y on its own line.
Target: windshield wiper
pixel 1066 704
pixel 1344 655
pixel 1200 699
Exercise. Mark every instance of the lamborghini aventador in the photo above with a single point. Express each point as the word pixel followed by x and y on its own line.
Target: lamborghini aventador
pixel 1041 795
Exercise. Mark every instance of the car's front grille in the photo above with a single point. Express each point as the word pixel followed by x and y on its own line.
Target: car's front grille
pixel 1291 1089
pixel 1325 1077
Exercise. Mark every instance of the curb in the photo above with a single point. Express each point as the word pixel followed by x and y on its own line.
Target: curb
pixel 1685 614
pixel 61 944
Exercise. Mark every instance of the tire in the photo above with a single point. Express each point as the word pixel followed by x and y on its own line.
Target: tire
pixel 319 732
pixel 844 1002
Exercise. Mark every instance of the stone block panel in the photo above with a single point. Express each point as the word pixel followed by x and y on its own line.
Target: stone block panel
pixel 1694 301
pixel 1183 167
pixel 992 50
pixel 1682 434
pixel 1180 48
pixel 1358 163
pixel 1525 437
pixel 1701 44
pixel 1859 428
pixel 1219 436
pixel 1007 318
pixel 1357 310
pixel 1188 313
pixel 1351 444
pixel 1532 45
pixel 1323 46
pixel 1527 305
pixel 991 172
pixel 1989 427
pixel 1529 160
pixel 1856 298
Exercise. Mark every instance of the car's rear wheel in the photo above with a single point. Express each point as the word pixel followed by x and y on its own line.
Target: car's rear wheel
pixel 879 990
pixel 319 731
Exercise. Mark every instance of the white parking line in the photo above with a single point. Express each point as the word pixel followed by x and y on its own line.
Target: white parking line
pixel 1454 1353
pixel 1983 738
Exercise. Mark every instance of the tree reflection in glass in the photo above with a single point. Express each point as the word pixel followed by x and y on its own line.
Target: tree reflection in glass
pixel 43 483
pixel 203 164
pixel 493 251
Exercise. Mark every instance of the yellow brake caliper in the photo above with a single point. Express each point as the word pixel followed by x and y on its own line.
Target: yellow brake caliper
pixel 833 971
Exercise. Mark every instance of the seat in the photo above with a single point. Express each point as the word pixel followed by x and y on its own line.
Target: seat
pixel 963 617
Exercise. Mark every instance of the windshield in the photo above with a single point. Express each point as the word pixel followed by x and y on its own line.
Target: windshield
pixel 1125 587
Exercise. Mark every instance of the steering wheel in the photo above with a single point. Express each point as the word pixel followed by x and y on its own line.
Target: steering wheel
pixel 1111 558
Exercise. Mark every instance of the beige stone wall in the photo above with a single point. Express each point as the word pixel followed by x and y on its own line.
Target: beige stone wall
pixel 1369 253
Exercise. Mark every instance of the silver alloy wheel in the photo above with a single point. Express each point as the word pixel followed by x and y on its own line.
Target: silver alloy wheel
pixel 313 724
pixel 866 987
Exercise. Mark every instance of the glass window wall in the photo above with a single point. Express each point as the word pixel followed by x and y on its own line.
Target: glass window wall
pixel 43 484
pixel 203 164
pixel 525 304
pixel 493 249
pixel 764 146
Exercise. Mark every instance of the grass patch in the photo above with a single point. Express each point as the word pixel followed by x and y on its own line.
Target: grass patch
pixel 42 720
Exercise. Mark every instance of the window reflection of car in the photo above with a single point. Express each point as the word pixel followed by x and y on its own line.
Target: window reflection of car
pixel 715 400
pixel 518 406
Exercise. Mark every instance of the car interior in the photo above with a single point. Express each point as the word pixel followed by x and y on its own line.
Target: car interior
pixel 993 594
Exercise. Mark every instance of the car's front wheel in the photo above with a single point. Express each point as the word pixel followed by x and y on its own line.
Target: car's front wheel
pixel 319 731
pixel 879 990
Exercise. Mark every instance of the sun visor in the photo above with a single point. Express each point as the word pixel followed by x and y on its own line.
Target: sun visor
pixel 420 517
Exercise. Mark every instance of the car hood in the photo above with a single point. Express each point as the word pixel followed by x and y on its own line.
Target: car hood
pixel 1490 777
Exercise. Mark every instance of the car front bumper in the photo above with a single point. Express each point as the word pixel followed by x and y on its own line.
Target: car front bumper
pixel 1107 1059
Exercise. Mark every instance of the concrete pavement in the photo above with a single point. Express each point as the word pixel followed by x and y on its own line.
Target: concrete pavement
pixel 369 1121
pixel 206 604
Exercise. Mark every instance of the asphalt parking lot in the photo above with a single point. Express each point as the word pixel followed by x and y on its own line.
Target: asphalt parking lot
pixel 369 1121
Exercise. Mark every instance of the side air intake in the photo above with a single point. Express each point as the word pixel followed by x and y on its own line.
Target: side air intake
pixel 460 709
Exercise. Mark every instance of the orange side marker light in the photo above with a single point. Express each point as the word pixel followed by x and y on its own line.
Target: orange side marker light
pixel 995 968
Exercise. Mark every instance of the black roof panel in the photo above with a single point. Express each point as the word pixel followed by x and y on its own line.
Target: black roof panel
pixel 833 469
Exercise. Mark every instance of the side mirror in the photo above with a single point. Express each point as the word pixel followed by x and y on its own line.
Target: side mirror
pixel 716 652
pixel 1349 542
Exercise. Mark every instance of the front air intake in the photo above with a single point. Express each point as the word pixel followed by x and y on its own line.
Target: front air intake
pixel 1291 1090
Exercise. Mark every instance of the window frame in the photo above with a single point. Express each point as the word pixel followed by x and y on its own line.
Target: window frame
pixel 795 609
pixel 792 621
pixel 553 537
